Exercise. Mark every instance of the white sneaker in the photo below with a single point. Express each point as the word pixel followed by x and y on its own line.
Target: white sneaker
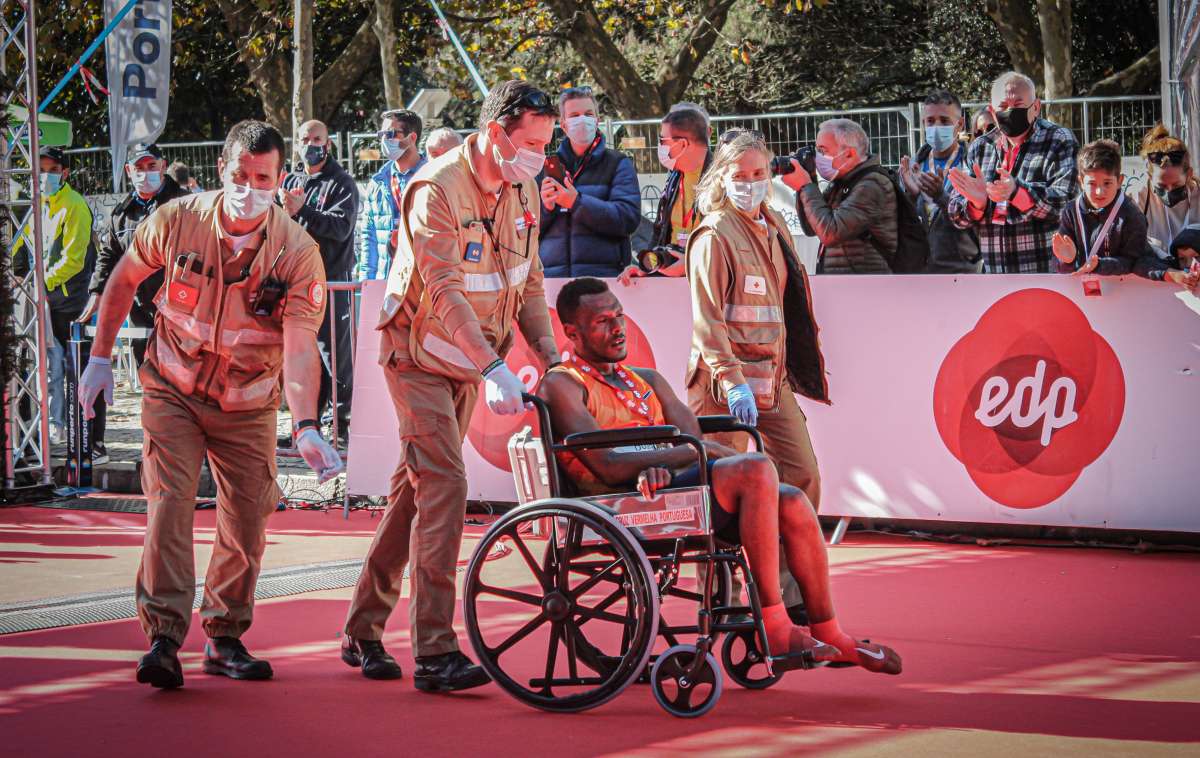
pixel 58 434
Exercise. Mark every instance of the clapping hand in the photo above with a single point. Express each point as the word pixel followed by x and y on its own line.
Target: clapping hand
pixel 1063 247
pixel 291 200
pixel 973 188
pixel 1002 190
pixel 1088 266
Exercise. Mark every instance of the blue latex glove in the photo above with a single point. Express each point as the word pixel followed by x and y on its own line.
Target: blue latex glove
pixel 742 405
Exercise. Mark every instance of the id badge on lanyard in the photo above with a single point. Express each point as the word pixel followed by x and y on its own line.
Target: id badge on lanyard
pixel 1091 282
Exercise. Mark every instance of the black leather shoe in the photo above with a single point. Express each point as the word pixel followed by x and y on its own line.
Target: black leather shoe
pixel 160 667
pixel 370 655
pixel 227 656
pixel 448 672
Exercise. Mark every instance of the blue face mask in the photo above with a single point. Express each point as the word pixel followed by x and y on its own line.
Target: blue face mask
pixel 51 182
pixel 940 138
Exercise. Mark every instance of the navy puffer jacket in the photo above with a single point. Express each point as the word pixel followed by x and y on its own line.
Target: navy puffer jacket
pixel 592 239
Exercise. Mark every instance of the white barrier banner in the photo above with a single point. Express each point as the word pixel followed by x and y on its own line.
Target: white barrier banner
pixel 138 58
pixel 998 399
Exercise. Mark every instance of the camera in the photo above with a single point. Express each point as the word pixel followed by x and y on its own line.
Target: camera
pixel 656 258
pixel 805 156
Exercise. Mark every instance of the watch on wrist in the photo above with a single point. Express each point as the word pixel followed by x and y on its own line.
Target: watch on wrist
pixel 303 424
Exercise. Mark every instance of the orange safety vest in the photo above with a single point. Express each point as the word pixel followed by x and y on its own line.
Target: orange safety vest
pixel 207 341
pixel 613 408
pixel 494 282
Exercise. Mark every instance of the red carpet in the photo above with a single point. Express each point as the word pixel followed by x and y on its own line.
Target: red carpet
pixel 1016 642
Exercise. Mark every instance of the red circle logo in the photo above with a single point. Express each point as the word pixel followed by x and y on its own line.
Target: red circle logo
pixel 1029 398
pixel 489 433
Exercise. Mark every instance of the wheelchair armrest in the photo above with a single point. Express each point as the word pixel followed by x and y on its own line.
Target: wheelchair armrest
pixel 718 424
pixel 612 437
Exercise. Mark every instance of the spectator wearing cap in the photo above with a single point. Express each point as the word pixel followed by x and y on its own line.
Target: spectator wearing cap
pixel 1171 198
pixel 591 202
pixel 399 133
pixel 441 140
pixel 68 256
pixel 151 186
pixel 1018 179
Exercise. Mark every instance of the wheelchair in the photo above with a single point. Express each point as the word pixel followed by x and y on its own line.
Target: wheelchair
pixel 589 604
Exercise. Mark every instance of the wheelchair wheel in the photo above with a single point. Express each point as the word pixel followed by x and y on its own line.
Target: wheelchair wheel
pixel 680 694
pixel 583 607
pixel 744 661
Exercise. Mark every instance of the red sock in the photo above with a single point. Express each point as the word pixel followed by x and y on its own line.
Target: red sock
pixel 830 632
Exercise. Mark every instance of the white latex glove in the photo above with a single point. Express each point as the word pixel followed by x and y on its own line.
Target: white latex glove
pixel 319 455
pixel 97 377
pixel 502 390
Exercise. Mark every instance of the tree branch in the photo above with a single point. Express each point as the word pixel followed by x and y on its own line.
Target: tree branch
pixel 335 83
pixel 674 76
pixel 1140 77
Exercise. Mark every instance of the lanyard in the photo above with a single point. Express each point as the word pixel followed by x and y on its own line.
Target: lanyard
pixel 629 398
pixel 1103 235
pixel 587 154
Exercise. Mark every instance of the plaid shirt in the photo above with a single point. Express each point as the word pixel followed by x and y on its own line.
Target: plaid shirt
pixel 1019 241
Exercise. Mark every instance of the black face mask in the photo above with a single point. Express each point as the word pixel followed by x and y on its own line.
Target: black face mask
pixel 1013 122
pixel 1171 197
pixel 314 154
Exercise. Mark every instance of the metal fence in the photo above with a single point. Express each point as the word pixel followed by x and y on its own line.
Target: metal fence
pixel 893 131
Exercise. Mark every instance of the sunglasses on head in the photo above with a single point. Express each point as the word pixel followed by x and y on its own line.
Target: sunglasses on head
pixel 1171 157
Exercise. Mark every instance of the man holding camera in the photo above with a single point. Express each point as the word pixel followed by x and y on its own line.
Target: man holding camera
pixel 243 298
pixel 855 218
pixel 683 151
pixel 466 267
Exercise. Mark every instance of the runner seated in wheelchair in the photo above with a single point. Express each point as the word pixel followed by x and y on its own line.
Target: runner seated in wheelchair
pixel 593 390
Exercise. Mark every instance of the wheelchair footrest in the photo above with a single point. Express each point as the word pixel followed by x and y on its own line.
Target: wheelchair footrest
pixel 793 661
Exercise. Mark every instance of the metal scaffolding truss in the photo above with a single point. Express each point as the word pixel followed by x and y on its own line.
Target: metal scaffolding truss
pixel 27 444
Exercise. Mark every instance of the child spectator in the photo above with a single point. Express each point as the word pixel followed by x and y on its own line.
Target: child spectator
pixel 1181 265
pixel 1099 231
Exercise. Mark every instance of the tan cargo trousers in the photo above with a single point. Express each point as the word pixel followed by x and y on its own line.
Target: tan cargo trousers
pixel 178 431
pixel 784 431
pixel 424 518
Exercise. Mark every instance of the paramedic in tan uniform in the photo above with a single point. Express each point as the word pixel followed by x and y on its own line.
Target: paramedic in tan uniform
pixel 466 267
pixel 243 299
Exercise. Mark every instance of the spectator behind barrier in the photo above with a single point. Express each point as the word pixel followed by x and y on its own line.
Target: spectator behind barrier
pixel 591 202
pixel 1101 230
pixel 1018 179
pixel 951 250
pixel 399 133
pixel 441 140
pixel 983 123
pixel 322 197
pixel 1171 198
pixel 182 175
pixel 684 135
pixel 855 218
pixel 1182 264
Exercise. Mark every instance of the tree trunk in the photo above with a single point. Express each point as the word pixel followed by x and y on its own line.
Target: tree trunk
pixel 1054 18
pixel 1021 34
pixel 1139 79
pixel 335 83
pixel 632 95
pixel 385 31
pixel 302 64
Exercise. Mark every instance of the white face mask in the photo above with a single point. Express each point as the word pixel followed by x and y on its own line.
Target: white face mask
pixel 940 138
pixel 580 129
pixel 393 149
pixel 747 196
pixel 664 157
pixel 525 166
pixel 243 203
pixel 146 182
pixel 825 167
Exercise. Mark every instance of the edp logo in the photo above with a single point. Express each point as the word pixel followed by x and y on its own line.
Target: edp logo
pixel 1026 405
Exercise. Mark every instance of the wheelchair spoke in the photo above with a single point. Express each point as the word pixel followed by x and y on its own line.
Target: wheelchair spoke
pixel 523 549
pixel 530 627
pixel 551 559
pixel 569 639
pixel 552 655
pixel 598 615
pixel 570 547
pixel 521 597
pixel 595 579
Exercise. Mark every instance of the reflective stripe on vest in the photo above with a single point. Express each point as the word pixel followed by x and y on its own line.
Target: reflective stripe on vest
pixel 440 348
pixel 761 314
pixel 494 282
pixel 186 323
pixel 761 386
pixel 235 337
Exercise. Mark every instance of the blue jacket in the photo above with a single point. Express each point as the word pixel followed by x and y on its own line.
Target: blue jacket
pixel 379 215
pixel 592 239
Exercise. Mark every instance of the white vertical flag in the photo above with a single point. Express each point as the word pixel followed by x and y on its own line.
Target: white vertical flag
pixel 138 53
